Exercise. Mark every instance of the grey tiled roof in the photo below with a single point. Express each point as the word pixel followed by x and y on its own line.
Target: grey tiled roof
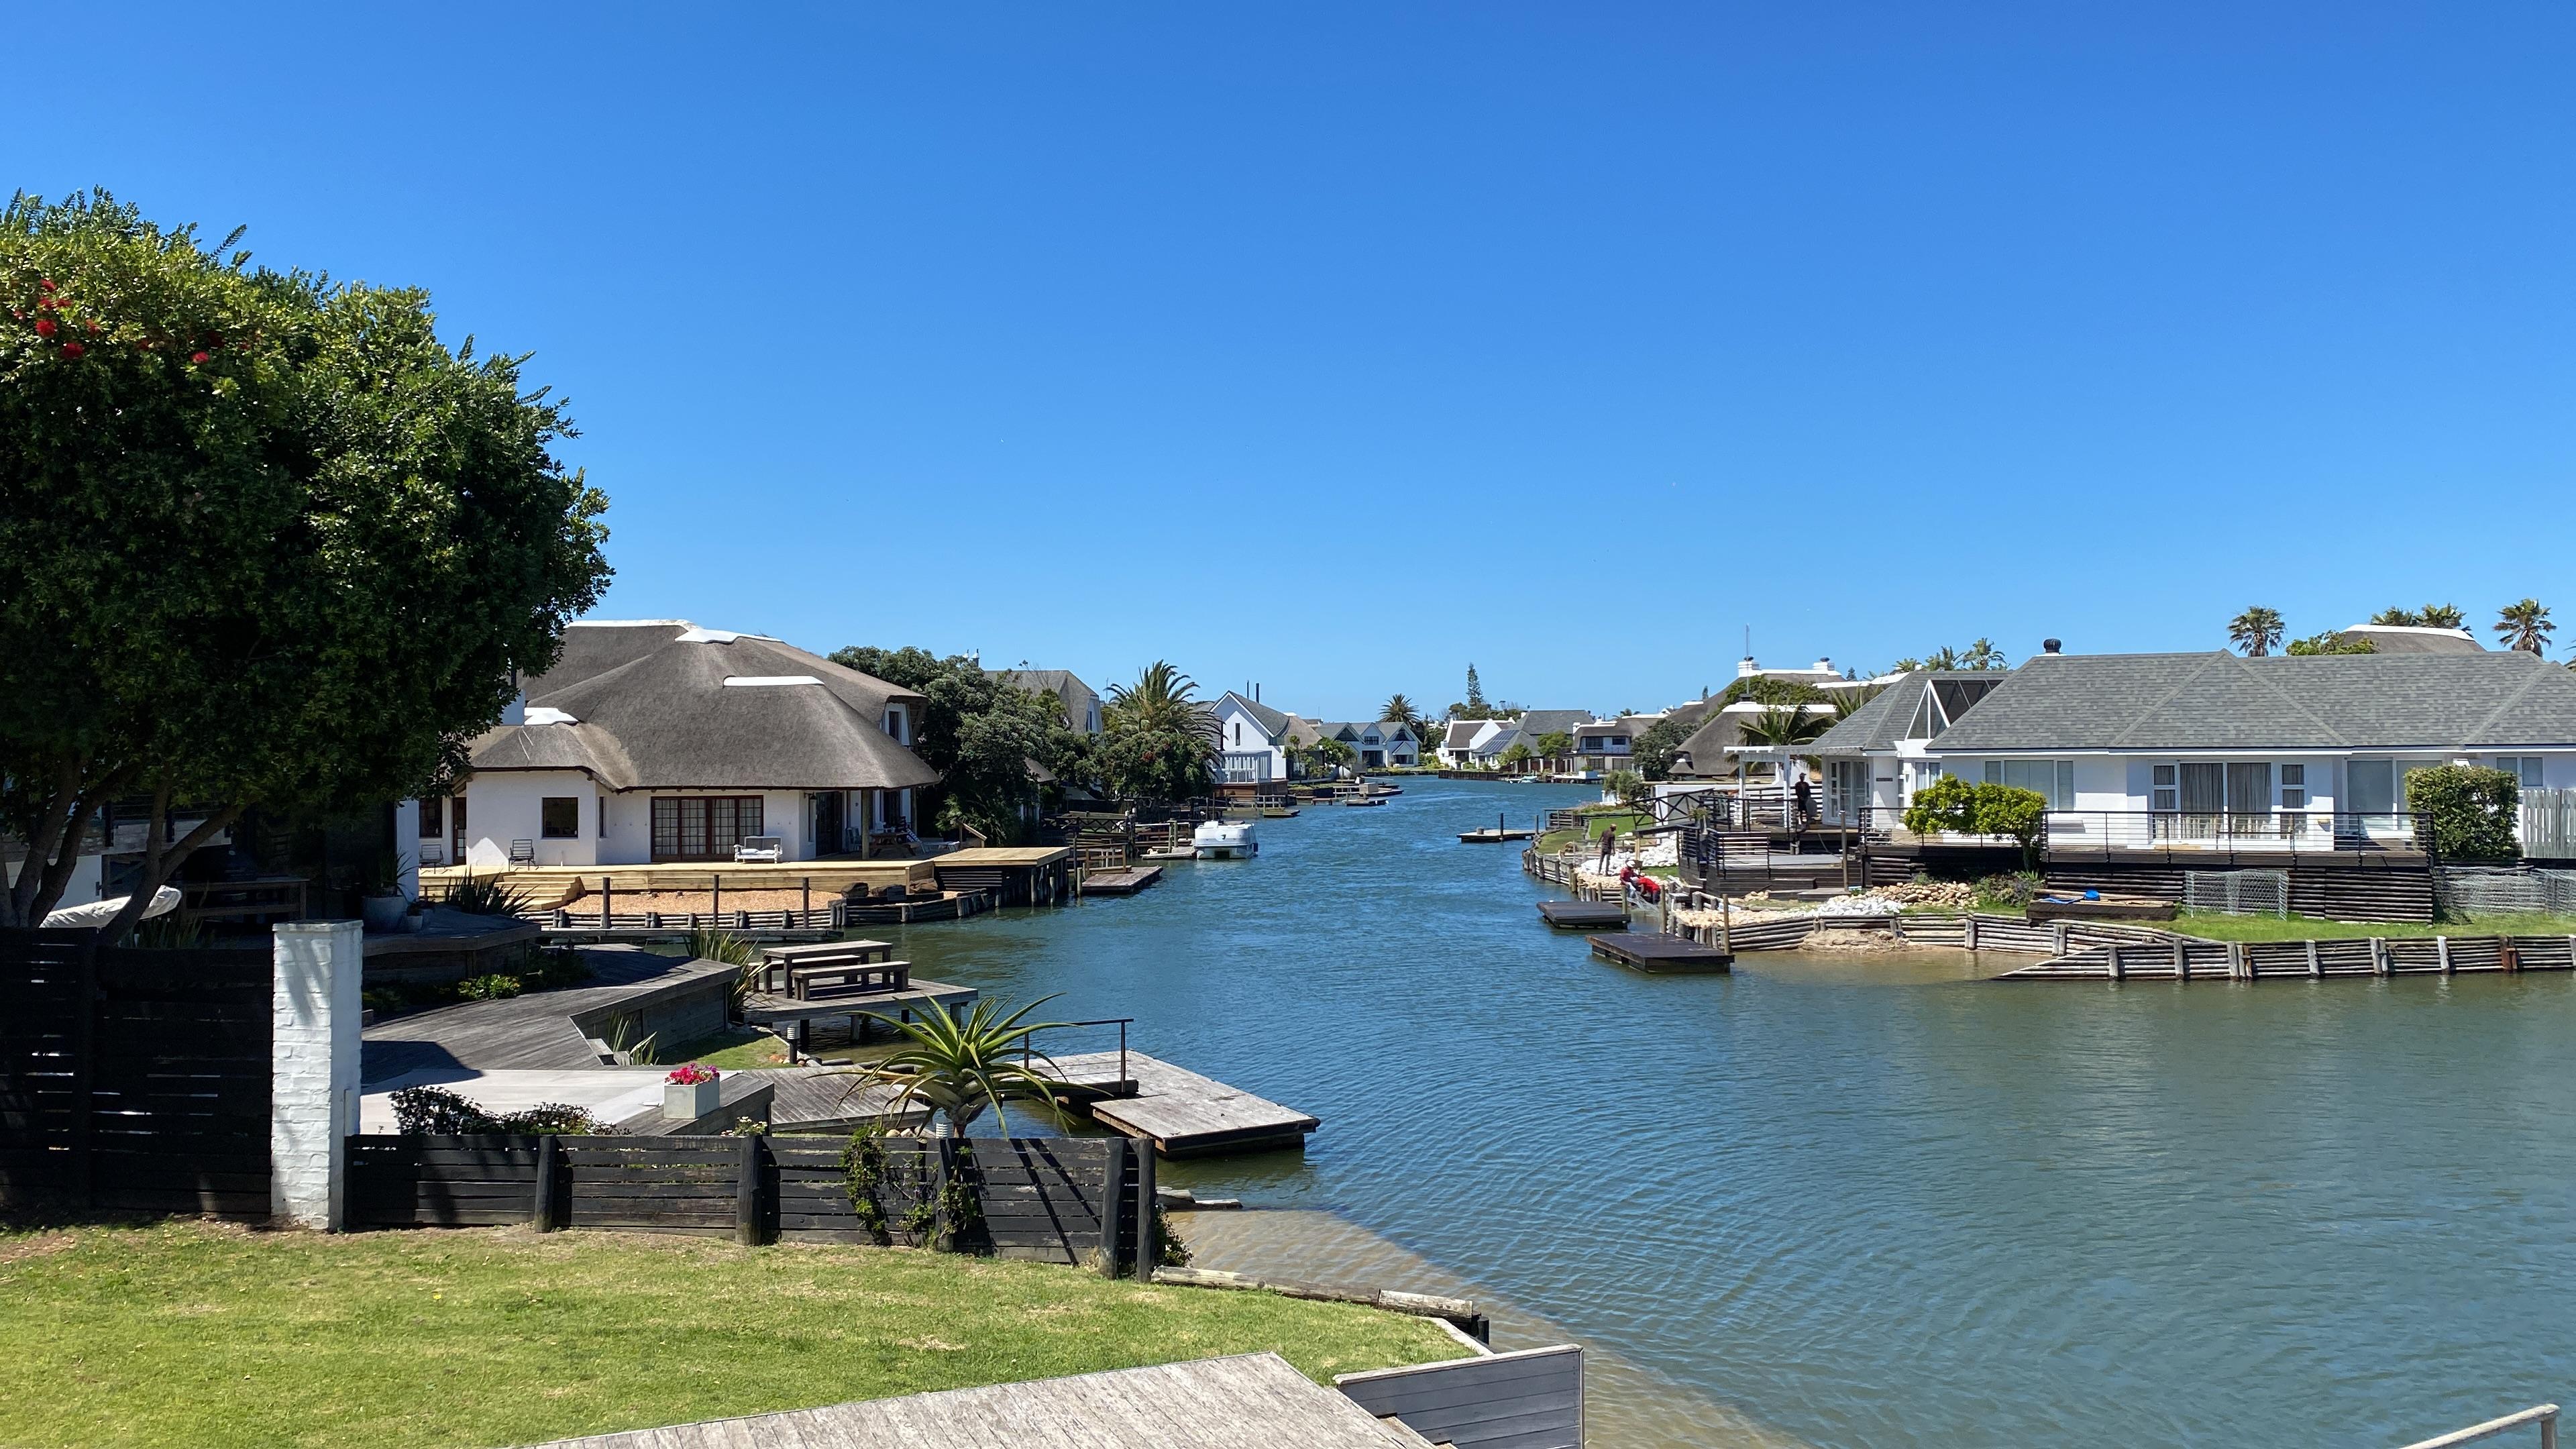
pixel 1272 721
pixel 1880 722
pixel 2219 701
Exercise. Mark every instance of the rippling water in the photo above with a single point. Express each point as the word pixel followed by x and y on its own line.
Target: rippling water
pixel 1868 1201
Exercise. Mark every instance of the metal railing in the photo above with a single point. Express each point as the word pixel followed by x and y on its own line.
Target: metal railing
pixel 2545 1415
pixel 1029 1051
pixel 2075 832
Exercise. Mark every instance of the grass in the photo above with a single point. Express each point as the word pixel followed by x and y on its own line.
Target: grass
pixel 1595 817
pixel 731 1049
pixel 210 1336
pixel 2300 928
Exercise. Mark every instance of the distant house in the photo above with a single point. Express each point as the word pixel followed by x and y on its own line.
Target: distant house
pixel 1460 740
pixel 1253 740
pixel 1489 751
pixel 2284 752
pixel 2411 639
pixel 1877 757
pixel 1081 702
pixel 1607 744
pixel 1376 746
pixel 657 740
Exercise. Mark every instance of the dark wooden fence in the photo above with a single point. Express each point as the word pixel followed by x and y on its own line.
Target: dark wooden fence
pixel 1053 1199
pixel 133 1079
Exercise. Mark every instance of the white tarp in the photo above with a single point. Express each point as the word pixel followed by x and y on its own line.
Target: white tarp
pixel 98 913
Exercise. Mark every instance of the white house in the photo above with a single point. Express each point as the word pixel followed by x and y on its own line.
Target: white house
pixel 1606 744
pixel 1376 745
pixel 1252 740
pixel 1464 742
pixel 656 740
pixel 2182 750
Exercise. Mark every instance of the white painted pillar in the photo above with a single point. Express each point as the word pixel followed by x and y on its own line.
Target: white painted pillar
pixel 313 1077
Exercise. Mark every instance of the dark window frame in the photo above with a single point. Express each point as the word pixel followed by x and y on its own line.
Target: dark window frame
pixel 550 826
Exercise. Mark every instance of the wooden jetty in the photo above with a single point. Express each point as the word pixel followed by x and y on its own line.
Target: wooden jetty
pixel 1015 876
pixel 1661 955
pixel 1181 1112
pixel 1493 835
pixel 1583 915
pixel 1121 882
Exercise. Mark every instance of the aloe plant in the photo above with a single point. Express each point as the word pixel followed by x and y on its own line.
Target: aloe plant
pixel 958 1067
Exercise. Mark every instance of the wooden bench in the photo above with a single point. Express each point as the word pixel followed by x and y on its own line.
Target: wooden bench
pixel 821 982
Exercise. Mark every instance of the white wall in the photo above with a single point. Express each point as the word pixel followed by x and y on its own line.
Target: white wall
pixel 1240 734
pixel 503 805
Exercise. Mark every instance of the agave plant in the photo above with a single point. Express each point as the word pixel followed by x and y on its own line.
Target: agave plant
pixel 484 895
pixel 957 1067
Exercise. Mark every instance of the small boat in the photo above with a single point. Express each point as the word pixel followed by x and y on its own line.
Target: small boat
pixel 1224 840
pixel 1357 801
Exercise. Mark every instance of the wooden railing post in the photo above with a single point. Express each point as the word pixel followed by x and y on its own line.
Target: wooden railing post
pixel 1113 1201
pixel 545 1213
pixel 751 1192
pixel 1149 1239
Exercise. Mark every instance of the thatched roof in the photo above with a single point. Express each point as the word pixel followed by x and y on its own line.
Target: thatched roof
pixel 664 705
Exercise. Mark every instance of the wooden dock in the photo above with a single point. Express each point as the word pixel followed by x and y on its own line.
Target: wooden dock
pixel 1181 1112
pixel 1014 876
pixel 1582 915
pixel 1121 882
pixel 1661 955
pixel 1493 835
pixel 792 1021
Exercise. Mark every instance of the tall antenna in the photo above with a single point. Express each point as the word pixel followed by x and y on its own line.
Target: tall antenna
pixel 1748 641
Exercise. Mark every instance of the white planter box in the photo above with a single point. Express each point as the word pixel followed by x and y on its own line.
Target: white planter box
pixel 689 1103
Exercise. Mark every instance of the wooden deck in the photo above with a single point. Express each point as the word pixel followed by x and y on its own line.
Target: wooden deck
pixel 1252 1401
pixel 1183 1113
pixel 549 885
pixel 1013 875
pixel 538 1030
pixel 1121 882
pixel 1660 954
pixel 1582 915
pixel 793 1020
pixel 1490 835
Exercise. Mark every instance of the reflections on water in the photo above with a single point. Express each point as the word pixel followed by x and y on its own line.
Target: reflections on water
pixel 1863 1200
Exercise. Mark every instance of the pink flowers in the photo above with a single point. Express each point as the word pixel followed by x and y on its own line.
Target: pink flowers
pixel 201 358
pixel 694 1074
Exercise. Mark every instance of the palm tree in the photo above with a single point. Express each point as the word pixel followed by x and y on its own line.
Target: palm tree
pixel 1944 657
pixel 2402 618
pixel 1982 655
pixel 1399 709
pixel 1162 698
pixel 2525 626
pixel 2256 631
pixel 1782 725
pixel 958 1066
pixel 1905 666
pixel 1847 702
pixel 2442 616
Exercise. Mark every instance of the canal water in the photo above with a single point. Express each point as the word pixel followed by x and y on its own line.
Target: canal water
pixel 1855 1201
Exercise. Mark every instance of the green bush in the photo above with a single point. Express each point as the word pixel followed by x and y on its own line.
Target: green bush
pixel 1947 804
pixel 2465 812
pixel 2004 812
pixel 495 987
pixel 438 1112
pixel 485 895
pixel 2012 892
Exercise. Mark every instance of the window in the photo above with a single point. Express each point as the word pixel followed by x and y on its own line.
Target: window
pixel 2294 787
pixel 559 817
pixel 1238 732
pixel 2525 768
pixel 2052 778
pixel 896 724
pixel 433 817
pixel 2165 794
pixel 693 827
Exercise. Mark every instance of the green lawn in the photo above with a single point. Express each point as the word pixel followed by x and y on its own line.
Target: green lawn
pixel 2300 928
pixel 206 1336
pixel 731 1049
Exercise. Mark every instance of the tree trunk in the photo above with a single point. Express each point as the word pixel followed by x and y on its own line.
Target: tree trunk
pixel 160 862
pixel 54 846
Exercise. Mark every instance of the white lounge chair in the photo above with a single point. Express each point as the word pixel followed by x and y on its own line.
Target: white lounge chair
pixel 760 850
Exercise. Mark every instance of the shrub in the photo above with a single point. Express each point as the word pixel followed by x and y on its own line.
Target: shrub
pixel 484 895
pixel 438 1112
pixel 494 987
pixel 1947 804
pixel 2009 812
pixel 552 968
pixel 2465 812
pixel 2012 892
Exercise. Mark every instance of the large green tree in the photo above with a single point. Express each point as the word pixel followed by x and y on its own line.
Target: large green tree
pixel 1158 741
pixel 1654 750
pixel 981 732
pixel 264 540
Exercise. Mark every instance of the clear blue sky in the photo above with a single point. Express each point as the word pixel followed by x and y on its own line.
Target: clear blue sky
pixel 1335 346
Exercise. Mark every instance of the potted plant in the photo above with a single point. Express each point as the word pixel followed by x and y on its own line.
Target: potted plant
pixel 691 1092
pixel 382 904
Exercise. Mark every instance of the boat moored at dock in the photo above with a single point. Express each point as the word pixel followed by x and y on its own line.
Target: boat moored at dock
pixel 1225 840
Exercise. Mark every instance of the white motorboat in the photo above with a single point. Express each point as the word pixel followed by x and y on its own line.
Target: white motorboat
pixel 1225 840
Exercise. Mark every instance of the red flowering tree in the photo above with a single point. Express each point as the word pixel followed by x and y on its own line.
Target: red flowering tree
pixel 264 540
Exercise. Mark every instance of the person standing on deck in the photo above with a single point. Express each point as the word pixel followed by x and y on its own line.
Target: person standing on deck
pixel 1806 795
pixel 1609 833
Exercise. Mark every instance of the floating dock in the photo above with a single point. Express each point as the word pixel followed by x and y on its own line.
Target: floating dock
pixel 1120 882
pixel 1013 876
pixel 1182 1113
pixel 1493 835
pixel 1582 915
pixel 1661 954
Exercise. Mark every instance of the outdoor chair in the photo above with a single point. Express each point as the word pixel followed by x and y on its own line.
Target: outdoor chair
pixel 523 852
pixel 760 849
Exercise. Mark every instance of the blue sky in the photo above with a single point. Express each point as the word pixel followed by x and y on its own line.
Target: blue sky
pixel 1336 346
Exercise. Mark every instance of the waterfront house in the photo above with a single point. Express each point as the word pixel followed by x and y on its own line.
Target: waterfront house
pixel 658 741
pixel 2287 752
pixel 1377 745
pixel 1462 741
pixel 1253 740
pixel 1876 757
pixel 1081 702
pixel 1607 744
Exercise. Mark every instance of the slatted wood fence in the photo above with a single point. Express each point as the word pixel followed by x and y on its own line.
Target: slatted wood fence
pixel 1051 1199
pixel 134 1079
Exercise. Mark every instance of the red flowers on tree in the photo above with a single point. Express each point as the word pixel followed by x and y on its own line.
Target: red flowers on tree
pixel 73 349
pixel 200 357
pixel 44 326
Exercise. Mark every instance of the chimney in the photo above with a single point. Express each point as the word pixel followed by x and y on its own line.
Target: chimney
pixel 1824 665
pixel 2051 646
pixel 1745 668
pixel 1256 694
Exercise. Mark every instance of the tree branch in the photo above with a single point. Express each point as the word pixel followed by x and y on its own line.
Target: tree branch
pixel 158 864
